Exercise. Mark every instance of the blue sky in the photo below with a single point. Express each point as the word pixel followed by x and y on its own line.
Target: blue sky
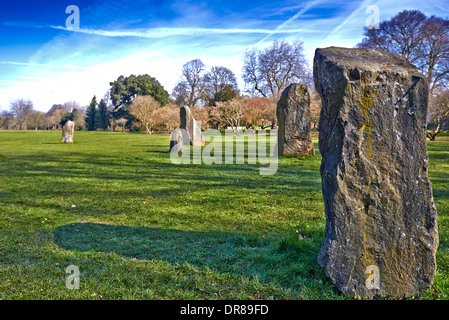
pixel 41 60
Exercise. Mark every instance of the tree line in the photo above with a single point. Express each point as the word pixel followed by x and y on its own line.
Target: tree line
pixel 139 102
pixel 23 116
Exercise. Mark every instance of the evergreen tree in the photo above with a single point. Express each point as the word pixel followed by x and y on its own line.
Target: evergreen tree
pixel 101 116
pixel 66 117
pixel 90 117
pixel 97 120
pixel 125 89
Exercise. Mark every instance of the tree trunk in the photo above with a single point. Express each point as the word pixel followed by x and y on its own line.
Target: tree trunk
pixel 432 136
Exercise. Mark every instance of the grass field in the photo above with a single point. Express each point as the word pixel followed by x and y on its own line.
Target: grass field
pixel 140 227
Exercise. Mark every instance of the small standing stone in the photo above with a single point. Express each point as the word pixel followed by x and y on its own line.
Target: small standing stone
pixel 176 141
pixel 293 115
pixel 68 131
pixel 381 222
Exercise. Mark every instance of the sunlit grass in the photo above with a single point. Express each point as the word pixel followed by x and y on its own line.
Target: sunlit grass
pixel 140 227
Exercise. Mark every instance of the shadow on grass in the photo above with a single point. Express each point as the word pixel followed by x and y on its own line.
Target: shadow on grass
pixel 79 165
pixel 283 261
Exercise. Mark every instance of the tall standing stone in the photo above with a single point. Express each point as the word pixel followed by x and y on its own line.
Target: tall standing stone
pixel 68 130
pixel 381 222
pixel 293 116
pixel 189 124
pixel 185 116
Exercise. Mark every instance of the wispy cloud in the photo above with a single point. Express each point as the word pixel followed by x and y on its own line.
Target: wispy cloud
pixel 356 14
pixel 32 78
pixel 441 8
pixel 280 28
pixel 168 32
pixel 32 64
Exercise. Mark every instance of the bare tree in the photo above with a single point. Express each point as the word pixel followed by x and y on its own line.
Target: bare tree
pixel 180 93
pixel 229 112
pixel 191 85
pixel 258 111
pixel 166 118
pixel 315 109
pixel 423 41
pixel 21 108
pixel 438 114
pixel 201 114
pixel 121 123
pixel 36 119
pixel 8 120
pixel 401 34
pixel 53 118
pixel 142 109
pixel 70 105
pixel 221 84
pixel 270 71
pixel 434 51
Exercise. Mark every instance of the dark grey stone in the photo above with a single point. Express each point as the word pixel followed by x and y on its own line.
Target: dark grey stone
pixel 381 222
pixel 293 116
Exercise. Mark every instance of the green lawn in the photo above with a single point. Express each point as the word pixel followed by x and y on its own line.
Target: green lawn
pixel 140 227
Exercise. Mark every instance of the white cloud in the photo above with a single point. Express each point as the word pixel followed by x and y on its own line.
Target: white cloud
pixel 281 27
pixel 77 65
pixel 169 32
pixel 41 65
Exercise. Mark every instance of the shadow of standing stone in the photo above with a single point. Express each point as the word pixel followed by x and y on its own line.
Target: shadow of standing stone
pixel 381 222
pixel 293 116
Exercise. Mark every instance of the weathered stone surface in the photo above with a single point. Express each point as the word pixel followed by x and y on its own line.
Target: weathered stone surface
pixel 293 116
pixel 381 222
pixel 68 131
pixel 178 138
pixel 192 126
pixel 176 141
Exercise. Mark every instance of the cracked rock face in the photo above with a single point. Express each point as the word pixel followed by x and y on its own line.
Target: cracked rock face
pixel 193 128
pixel 68 131
pixel 381 222
pixel 293 115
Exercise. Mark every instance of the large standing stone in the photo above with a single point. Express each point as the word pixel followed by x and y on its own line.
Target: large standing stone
pixel 191 126
pixel 293 115
pixel 67 132
pixel 381 222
